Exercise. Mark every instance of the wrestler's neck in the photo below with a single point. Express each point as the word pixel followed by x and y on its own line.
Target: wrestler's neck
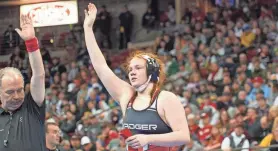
pixel 147 91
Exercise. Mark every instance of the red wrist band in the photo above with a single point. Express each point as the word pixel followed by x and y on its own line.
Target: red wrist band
pixel 32 44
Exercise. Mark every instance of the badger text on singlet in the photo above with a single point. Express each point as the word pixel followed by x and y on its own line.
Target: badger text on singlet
pixel 140 126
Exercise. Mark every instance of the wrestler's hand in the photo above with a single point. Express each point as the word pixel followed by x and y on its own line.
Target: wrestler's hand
pixel 27 30
pixel 90 16
pixel 137 141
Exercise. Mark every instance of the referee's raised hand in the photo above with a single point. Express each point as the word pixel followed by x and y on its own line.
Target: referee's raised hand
pixel 27 31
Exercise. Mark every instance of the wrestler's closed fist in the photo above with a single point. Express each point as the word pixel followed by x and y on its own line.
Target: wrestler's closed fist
pixel 90 15
pixel 27 30
pixel 137 141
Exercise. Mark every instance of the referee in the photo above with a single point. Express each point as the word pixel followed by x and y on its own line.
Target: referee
pixel 22 115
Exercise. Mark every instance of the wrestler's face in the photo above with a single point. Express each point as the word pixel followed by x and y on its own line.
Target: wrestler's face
pixel 137 72
pixel 12 92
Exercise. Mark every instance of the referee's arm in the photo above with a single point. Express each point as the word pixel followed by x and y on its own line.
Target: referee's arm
pixel 37 85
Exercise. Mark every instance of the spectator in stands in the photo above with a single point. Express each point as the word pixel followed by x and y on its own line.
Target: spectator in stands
pixel 265 55
pixel 171 13
pixel 82 54
pixel 215 140
pixel 265 129
pixel 236 140
pixel 126 24
pixel 11 38
pixel 252 123
pixel 257 68
pixel 193 146
pixel 105 111
pixel 68 123
pixel 204 132
pixel 75 142
pixel 209 106
pixel 117 145
pixel 247 36
pixel 46 55
pixel 271 139
pixel 216 72
pixel 71 55
pixel 95 128
pixel 241 119
pixel 57 67
pixel 193 126
pixel 148 19
pixel 104 137
pixel 259 88
pixel 52 135
pixel 186 19
pixel 263 107
pixel 273 115
pixel 16 59
pixel 241 108
pixel 104 23
pixel 73 71
pixel 223 123
pixel 87 145
pixel 198 15
pixel 65 146
pixel 241 97
pixel 84 127
pixel 275 103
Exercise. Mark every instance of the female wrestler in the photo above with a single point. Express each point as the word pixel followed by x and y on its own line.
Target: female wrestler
pixel 154 117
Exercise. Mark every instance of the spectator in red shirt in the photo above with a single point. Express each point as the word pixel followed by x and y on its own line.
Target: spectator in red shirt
pixel 103 138
pixel 265 12
pixel 193 126
pixel 211 109
pixel 207 102
pixel 198 15
pixel 205 131
pixel 215 140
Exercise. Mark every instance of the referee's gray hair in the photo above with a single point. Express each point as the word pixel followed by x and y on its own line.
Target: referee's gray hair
pixel 9 70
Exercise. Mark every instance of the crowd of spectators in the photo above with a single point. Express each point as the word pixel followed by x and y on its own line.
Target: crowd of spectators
pixel 222 64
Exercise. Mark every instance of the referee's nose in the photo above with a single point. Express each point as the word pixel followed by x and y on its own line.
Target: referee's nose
pixel 17 95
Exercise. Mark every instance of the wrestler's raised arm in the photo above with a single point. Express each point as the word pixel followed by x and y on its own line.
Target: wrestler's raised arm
pixel 27 33
pixel 120 90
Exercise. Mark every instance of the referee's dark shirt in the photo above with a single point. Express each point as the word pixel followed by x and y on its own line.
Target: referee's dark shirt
pixel 25 127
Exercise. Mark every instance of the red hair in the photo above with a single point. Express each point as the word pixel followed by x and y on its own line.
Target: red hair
pixel 162 75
